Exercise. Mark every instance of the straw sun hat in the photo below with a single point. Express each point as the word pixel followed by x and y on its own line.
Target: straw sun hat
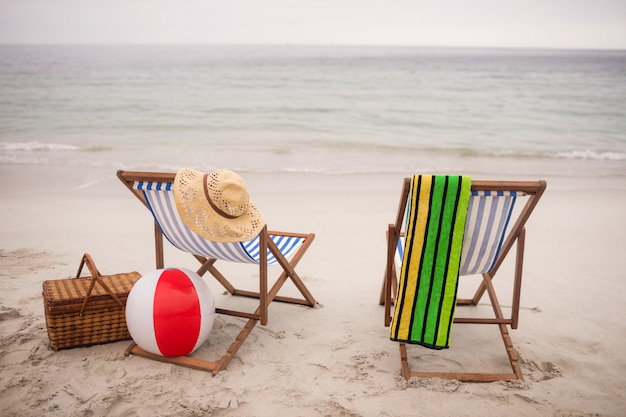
pixel 217 205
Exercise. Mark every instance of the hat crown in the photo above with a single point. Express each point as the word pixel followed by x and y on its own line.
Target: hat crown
pixel 216 206
pixel 227 191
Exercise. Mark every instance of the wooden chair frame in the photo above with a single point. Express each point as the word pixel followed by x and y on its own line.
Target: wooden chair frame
pixel 264 296
pixel 515 236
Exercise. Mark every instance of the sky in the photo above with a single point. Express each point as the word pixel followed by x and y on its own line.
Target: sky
pixel 585 24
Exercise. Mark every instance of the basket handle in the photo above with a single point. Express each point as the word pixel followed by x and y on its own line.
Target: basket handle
pixel 95 274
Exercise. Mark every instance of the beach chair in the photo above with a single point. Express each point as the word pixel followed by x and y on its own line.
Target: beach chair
pixel 155 191
pixel 495 219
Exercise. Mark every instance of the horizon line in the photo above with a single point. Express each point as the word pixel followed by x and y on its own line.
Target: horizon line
pixel 304 44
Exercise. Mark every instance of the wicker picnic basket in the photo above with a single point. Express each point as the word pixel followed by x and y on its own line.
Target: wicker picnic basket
pixel 85 311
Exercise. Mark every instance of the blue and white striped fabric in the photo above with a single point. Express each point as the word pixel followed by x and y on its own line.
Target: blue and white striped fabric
pixel 160 199
pixel 488 216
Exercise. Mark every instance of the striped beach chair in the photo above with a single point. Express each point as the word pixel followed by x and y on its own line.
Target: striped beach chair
pixel 269 248
pixel 494 217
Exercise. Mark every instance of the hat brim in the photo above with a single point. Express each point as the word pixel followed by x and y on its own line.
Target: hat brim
pixel 197 213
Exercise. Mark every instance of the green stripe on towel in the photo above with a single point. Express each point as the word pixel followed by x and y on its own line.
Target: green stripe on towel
pixel 428 279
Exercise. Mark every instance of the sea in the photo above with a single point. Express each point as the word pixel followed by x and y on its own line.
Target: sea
pixel 330 110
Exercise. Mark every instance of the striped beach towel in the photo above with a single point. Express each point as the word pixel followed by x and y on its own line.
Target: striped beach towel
pixel 429 274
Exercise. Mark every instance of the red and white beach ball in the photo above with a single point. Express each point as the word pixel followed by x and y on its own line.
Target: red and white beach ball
pixel 170 312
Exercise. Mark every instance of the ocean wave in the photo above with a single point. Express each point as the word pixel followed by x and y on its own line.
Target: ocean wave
pixel 332 158
pixel 13 160
pixel 587 154
pixel 36 146
pixel 478 150
pixel 592 155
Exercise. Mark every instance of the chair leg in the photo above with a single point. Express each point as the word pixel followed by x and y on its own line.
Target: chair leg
pixel 197 363
pixel 186 361
pixel 381 298
pixel 517 284
pixel 234 347
pixel 158 246
pixel 506 338
pixel 404 362
pixel 516 373
pixel 502 322
pixel 289 271
pixel 383 290
pixel 208 265
pixel 263 297
pixel 390 281
pixel 511 353
pixel 390 287
pixel 266 297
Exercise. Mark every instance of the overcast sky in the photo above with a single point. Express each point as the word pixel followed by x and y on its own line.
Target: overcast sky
pixel 490 23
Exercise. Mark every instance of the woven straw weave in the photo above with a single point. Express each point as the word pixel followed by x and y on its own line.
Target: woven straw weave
pixel 103 320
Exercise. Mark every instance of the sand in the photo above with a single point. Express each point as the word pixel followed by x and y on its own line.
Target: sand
pixel 334 360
